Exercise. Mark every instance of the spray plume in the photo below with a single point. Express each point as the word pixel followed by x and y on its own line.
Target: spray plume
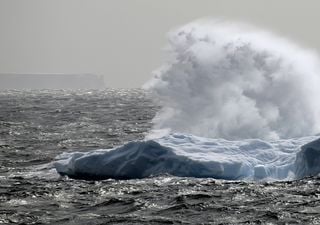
pixel 233 81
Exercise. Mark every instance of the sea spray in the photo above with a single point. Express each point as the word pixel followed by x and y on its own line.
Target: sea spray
pixel 223 81
pixel 234 81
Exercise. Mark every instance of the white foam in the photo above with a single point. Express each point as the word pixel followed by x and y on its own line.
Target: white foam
pixel 233 81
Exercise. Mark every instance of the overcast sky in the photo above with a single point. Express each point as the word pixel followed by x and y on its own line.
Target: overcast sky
pixel 123 39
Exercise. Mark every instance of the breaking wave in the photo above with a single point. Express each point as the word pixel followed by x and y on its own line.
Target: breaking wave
pixel 233 81
pixel 237 103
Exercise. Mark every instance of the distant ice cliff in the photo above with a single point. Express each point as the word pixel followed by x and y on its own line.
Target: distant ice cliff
pixel 50 81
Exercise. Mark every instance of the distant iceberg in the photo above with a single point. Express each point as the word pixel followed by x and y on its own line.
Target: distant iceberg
pixel 190 156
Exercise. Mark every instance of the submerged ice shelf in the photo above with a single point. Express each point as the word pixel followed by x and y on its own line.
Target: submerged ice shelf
pixel 191 156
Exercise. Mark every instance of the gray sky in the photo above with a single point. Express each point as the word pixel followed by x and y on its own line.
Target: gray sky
pixel 123 39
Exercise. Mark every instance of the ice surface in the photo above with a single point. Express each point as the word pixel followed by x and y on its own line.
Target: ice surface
pixel 192 156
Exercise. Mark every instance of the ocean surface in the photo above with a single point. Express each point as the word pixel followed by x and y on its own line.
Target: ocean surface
pixel 37 126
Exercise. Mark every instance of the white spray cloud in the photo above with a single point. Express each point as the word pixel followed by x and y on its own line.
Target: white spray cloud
pixel 233 81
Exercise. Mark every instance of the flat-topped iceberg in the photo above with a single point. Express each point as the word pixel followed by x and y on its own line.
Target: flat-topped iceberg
pixel 191 156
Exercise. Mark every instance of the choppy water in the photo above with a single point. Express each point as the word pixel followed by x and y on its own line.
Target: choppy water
pixel 37 126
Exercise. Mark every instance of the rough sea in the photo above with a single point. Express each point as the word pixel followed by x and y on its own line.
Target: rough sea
pixel 37 126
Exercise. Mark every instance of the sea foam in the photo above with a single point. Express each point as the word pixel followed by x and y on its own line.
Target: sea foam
pixel 233 81
pixel 237 103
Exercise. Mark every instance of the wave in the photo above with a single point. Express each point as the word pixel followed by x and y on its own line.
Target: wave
pixel 233 81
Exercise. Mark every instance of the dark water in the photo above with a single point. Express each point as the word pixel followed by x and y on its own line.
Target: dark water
pixel 37 126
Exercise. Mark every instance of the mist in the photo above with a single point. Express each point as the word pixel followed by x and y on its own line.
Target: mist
pixel 232 80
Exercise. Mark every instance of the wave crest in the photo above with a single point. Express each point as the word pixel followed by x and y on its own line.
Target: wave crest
pixel 233 81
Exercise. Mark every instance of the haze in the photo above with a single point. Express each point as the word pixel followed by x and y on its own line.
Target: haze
pixel 122 40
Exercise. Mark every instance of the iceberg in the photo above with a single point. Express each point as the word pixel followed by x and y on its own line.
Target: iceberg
pixel 187 155
pixel 236 102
